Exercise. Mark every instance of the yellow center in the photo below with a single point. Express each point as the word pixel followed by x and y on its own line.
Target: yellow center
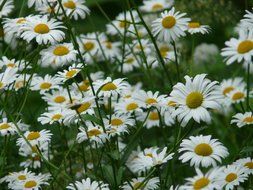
pixel 203 149
pixel 124 24
pixel 194 25
pixel 132 106
pixel 248 119
pixel 153 116
pixel 71 73
pixel 245 46
pixel 249 165
pixel 70 4
pixel 56 117
pixel 21 21
pixel 194 100
pixel 201 183
pixel 164 50
pixel 61 51
pixel 231 177
pixel 10 65
pixel 172 103
pixel 4 126
pixel 59 99
pixel 109 86
pixel 83 107
pixel 138 185
pixel 41 29
pixel 227 90
pixel 149 155
pixel 84 86
pixel 94 132
pixel 88 46
pixel 22 177
pixel 45 85
pixel 151 101
pixel 157 7
pixel 116 122
pixel 30 184
pixel 19 84
pixel 108 45
pixel 130 60
pixel 238 96
pixel 168 22
pixel 33 135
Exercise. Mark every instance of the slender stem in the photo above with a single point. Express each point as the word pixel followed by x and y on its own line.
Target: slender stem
pixel 248 86
pixel 176 60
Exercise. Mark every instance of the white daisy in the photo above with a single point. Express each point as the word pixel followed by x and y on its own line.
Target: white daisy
pixel 202 151
pixel 231 176
pixel 7 128
pixel 53 116
pixel 196 27
pixel 237 95
pixel 7 77
pixel 139 183
pixel 75 8
pixel 12 63
pixel 194 98
pixel 7 8
pixel 88 184
pixel 148 98
pixel 239 49
pixel 129 105
pixel 229 85
pixel 43 30
pixel 242 119
pixel 58 55
pixel 129 63
pixel 247 163
pixel 70 73
pixel 170 26
pixel 156 5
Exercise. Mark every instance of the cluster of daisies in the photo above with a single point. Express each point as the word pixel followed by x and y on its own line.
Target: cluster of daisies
pixel 101 117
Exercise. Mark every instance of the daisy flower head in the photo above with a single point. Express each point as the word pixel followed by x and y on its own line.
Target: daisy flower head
pixel 237 95
pixel 7 128
pixel 205 181
pixel 110 87
pixel 229 85
pixel 231 176
pixel 12 63
pixel 170 26
pixel 156 5
pixel 152 120
pixel 7 77
pixel 7 8
pixel 88 184
pixel 75 8
pixel 38 3
pixel 35 137
pixel 247 21
pixel 118 123
pixel 129 63
pixel 148 98
pixel 196 27
pixel 241 119
pixel 139 183
pixel 161 157
pixel 58 55
pixel 122 23
pixel 247 163
pixel 70 73
pixel 88 43
pixel 202 151
pixel 43 30
pixel 12 26
pixel 50 117
pixel 195 98
pixel 129 105
pixel 240 50
pixel 57 98
pixel 33 182
pixel 142 45
pixel 44 84
pixel 93 134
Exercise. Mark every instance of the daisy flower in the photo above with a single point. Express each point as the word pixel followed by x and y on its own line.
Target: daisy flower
pixel 7 77
pixel 118 123
pixel 156 5
pixel 70 73
pixel 129 63
pixel 93 133
pixel 239 49
pixel 196 27
pixel 7 8
pixel 231 176
pixel 162 157
pixel 58 98
pixel 242 119
pixel 247 163
pixel 22 81
pixel 12 26
pixel 153 119
pixel 43 30
pixel 88 184
pixel 205 181
pixel 166 51
pixel 128 105
pixel 75 8
pixel 33 182
pixel 202 151
pixel 139 183
pixel 122 22
pixel 37 3
pixel 12 63
pixel 170 26
pixel 237 95
pixel 7 128
pixel 194 98
pixel 88 43
pixel 53 116
pixel 58 55
pixel 35 137
pixel 142 45
pixel 109 87
pixel 247 20
pixel 148 98
pixel 229 85
pixel 45 84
